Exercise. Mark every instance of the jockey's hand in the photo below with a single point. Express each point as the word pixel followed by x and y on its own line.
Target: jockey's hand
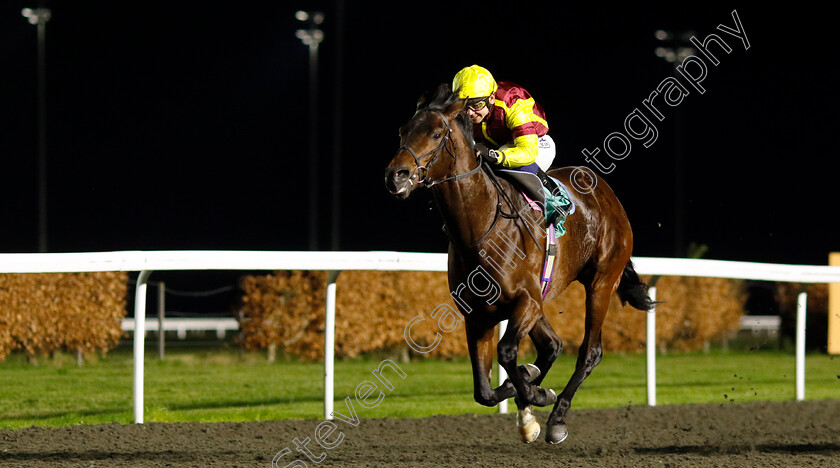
pixel 489 155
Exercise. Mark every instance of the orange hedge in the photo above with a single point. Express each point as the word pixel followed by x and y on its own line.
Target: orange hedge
pixel 374 308
pixel 41 313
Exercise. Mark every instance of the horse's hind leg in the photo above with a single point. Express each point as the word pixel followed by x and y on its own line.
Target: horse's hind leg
pixel 597 303
pixel 548 347
pixel 525 315
pixel 480 338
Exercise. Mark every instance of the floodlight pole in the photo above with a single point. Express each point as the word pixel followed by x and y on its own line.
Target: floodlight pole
pixel 39 17
pixel 312 37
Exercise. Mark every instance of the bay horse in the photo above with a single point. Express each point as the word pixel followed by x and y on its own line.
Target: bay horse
pixel 481 212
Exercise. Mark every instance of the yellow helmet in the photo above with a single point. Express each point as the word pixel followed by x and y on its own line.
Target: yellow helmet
pixel 474 82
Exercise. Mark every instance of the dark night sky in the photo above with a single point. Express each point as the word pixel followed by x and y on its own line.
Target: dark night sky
pixel 183 125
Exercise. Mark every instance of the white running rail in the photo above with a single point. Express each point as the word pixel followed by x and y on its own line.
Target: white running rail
pixel 146 262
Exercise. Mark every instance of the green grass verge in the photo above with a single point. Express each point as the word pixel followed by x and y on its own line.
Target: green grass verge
pixel 220 385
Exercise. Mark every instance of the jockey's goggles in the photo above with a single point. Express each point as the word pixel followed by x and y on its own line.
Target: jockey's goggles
pixel 476 105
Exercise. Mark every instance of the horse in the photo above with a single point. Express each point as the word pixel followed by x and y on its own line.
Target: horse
pixel 480 212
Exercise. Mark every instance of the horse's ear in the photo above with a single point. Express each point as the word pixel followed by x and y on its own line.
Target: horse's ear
pixel 455 107
pixel 422 102
pixel 429 97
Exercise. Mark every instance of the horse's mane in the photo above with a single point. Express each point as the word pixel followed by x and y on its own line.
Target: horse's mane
pixel 439 100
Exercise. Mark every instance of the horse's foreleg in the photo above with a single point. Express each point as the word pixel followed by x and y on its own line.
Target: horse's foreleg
pixel 480 343
pixel 597 303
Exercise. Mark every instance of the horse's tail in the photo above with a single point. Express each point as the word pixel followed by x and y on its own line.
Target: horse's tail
pixel 633 290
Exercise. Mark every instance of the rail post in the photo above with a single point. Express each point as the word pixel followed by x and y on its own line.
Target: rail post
pixel 801 312
pixel 139 342
pixel 329 345
pixel 503 405
pixel 650 348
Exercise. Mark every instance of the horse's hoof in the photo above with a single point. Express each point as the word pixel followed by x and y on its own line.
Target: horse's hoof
pixel 544 397
pixel 556 433
pixel 529 372
pixel 527 425
pixel 506 390
pixel 529 433
pixel 551 397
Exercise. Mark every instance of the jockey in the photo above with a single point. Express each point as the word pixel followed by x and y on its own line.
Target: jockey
pixel 509 127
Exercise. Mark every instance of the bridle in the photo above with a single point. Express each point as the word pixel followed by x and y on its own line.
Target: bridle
pixel 421 171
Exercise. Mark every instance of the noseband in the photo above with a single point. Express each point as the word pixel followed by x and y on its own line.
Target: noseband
pixel 422 172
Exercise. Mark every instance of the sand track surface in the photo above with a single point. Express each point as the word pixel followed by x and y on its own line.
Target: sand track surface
pixel 727 435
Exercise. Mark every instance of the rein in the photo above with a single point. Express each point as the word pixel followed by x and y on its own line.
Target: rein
pixel 502 193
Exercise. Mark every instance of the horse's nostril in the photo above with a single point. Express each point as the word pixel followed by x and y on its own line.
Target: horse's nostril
pixel 396 181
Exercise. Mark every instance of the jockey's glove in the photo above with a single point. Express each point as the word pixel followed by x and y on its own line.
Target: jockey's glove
pixel 489 155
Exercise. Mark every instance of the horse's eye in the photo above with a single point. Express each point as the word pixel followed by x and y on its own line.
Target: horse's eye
pixel 436 136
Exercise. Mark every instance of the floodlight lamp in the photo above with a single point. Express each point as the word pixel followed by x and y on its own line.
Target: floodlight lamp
pixel 37 15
